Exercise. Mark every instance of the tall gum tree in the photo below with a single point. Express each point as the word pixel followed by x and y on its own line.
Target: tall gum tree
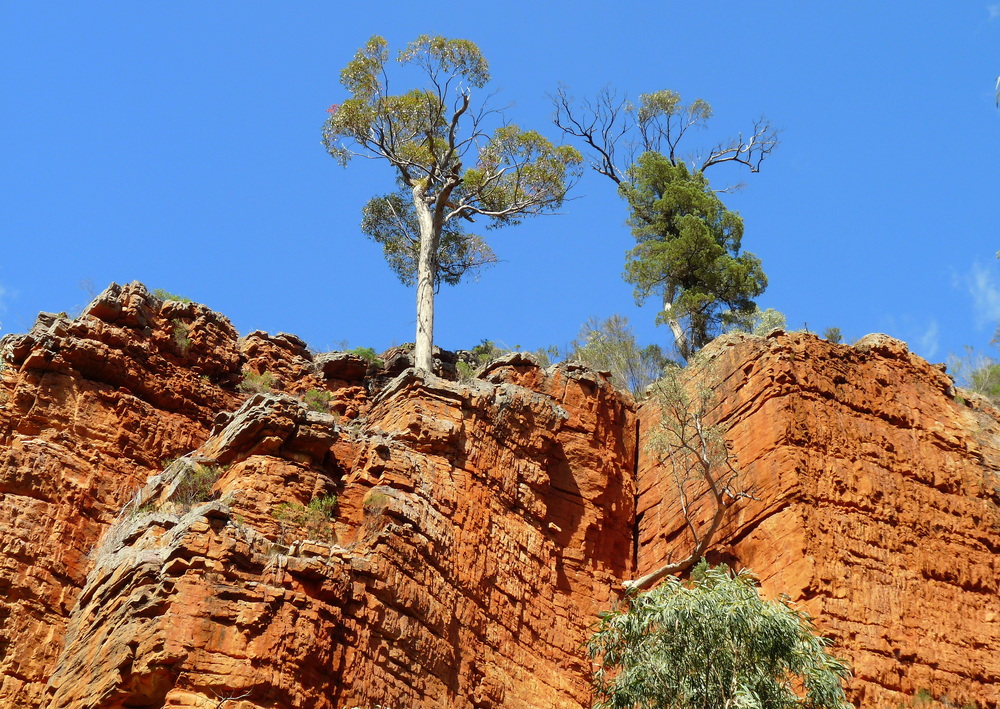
pixel 688 244
pixel 427 135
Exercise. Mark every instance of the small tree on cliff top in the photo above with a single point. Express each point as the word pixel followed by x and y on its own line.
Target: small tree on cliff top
pixel 426 135
pixel 688 243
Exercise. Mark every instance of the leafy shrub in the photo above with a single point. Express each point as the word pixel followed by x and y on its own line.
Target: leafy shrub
pixel 254 383
pixel 759 322
pixel 181 338
pixel 318 400
pixel 609 345
pixel 466 372
pixel 713 642
pixel 313 518
pixel 368 354
pixel 832 334
pixel 977 373
pixel 166 295
pixel 196 484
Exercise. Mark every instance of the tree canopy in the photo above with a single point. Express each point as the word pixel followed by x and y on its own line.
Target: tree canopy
pixel 427 135
pixel 687 242
pixel 688 250
pixel 713 643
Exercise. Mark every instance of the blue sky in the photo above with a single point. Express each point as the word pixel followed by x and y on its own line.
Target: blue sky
pixel 178 144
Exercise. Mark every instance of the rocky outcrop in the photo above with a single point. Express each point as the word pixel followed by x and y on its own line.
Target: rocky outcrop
pixel 193 519
pixel 477 530
pixel 877 507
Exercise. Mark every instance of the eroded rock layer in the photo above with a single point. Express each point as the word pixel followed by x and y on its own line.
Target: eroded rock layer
pixel 193 519
pixel 877 508
pixel 415 542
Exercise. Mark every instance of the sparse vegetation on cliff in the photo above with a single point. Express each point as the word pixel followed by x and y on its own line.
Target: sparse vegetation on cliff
pixel 696 456
pixel 254 383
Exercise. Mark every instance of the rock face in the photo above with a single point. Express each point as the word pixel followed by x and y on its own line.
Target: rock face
pixel 878 508
pixel 193 519
pixel 478 527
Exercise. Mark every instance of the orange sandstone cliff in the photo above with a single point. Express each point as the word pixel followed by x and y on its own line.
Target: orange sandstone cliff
pixel 877 508
pixel 175 533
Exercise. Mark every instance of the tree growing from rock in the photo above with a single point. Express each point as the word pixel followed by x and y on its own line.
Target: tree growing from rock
pixel 713 643
pixel 454 162
pixel 696 457
pixel 688 245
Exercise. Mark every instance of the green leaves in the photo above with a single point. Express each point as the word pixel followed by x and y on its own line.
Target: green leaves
pixel 390 220
pixel 362 75
pixel 688 248
pixel 457 57
pixel 713 642
pixel 519 173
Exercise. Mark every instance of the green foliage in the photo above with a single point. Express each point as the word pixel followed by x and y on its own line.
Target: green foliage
pixel 977 373
pixel 368 354
pixel 688 250
pixel 318 400
pixel 466 372
pixel 254 383
pixel 391 221
pixel 710 643
pixel 196 484
pixel 759 322
pixel 609 345
pixel 181 337
pixel 832 334
pixel 313 519
pixel 166 295
pixel 487 350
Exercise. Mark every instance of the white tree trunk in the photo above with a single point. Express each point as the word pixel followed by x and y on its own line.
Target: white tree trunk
pixel 680 337
pixel 430 235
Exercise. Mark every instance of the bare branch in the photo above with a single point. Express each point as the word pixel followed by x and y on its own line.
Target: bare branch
pixel 601 127
pixel 750 152
pixel 698 455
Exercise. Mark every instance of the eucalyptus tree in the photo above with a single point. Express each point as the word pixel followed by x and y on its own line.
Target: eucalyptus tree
pixel 713 643
pixel 427 135
pixel 687 243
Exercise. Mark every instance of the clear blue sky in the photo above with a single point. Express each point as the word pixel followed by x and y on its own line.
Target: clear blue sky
pixel 178 144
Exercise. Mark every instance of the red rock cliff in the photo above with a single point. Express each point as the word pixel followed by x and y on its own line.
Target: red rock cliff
pixel 169 538
pixel 478 528
pixel 877 508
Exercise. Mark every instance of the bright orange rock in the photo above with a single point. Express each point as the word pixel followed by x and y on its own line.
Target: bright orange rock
pixel 877 507
pixel 168 539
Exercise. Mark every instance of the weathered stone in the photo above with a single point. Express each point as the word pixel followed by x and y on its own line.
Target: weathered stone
pixel 876 511
pixel 478 528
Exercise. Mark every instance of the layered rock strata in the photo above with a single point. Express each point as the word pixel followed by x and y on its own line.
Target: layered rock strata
pixel 877 507
pixel 193 519
pixel 478 527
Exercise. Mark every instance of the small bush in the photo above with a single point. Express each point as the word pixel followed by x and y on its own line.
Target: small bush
pixel 181 338
pixel 368 354
pixel 326 505
pixel 313 518
pixel 317 400
pixel 466 372
pixel 166 295
pixel 832 334
pixel 196 484
pixel 610 345
pixel 254 383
